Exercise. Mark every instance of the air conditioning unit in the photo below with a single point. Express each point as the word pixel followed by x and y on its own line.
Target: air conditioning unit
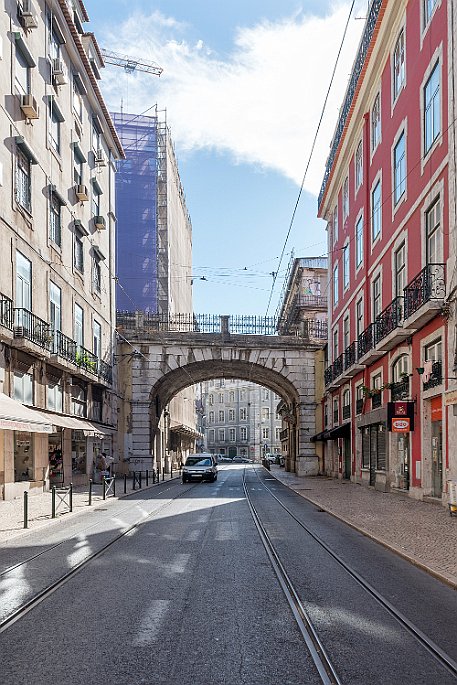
pixel 27 15
pixel 59 72
pixel 29 106
pixel 100 158
pixel 20 332
pixel 81 193
pixel 100 222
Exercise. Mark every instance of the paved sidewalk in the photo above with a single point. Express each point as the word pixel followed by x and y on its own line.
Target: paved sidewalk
pixel 40 507
pixel 423 533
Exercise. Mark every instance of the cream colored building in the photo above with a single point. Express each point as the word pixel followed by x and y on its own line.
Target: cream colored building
pixel 57 162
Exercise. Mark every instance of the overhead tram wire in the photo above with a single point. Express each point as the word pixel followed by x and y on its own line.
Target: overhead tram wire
pixel 324 106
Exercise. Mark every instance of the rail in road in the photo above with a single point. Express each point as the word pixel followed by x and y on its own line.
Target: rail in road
pixel 279 516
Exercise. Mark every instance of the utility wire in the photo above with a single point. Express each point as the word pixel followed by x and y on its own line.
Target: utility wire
pixel 324 106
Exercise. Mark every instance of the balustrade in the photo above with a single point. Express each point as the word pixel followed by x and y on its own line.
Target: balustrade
pixel 366 340
pixel 429 284
pixel 389 319
pixel 436 377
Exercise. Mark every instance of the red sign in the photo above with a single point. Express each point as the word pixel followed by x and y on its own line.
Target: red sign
pixel 400 425
pixel 401 408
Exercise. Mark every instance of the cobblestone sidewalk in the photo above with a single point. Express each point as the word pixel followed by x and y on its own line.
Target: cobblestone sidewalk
pixel 423 533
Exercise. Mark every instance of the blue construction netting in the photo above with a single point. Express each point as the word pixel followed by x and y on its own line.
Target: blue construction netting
pixel 136 212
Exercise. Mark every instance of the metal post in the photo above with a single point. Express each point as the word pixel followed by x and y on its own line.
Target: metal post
pixel 125 483
pixel 163 473
pixel 139 480
pixel 53 501
pixel 153 476
pixel 114 486
pixel 133 484
pixel 26 509
pixel 104 488
pixel 171 470
pixel 71 496
pixel 147 477
pixel 90 491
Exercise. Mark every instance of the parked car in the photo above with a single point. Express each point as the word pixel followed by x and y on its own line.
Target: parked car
pixel 200 467
pixel 241 460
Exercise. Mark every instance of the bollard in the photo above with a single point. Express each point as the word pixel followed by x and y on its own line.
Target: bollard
pixel 147 477
pixel 171 471
pixel 104 487
pixel 153 476
pixel 71 497
pixel 134 479
pixel 26 509
pixel 139 480
pixel 53 501
pixel 90 491
pixel 125 483
pixel 163 474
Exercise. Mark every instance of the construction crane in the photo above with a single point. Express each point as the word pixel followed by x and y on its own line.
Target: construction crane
pixel 130 64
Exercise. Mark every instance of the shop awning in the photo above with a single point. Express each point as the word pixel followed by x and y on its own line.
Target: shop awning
pixel 66 421
pixel 186 430
pixel 343 431
pixel 100 429
pixel 322 436
pixel 14 416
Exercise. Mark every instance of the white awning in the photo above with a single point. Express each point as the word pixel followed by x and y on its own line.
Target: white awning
pixel 74 422
pixel 14 416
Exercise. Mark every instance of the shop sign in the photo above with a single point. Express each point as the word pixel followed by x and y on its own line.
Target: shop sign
pixel 400 425
pixel 436 409
pixel 450 397
pixel 141 463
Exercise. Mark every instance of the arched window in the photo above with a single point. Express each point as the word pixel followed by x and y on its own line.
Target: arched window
pixel 400 368
pixel 399 64
pixel 211 399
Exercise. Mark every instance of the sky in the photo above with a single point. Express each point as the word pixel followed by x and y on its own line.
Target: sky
pixel 242 90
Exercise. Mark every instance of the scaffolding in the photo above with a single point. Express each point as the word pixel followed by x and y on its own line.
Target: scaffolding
pixel 162 265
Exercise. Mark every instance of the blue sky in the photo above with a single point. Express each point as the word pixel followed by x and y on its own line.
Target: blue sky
pixel 243 85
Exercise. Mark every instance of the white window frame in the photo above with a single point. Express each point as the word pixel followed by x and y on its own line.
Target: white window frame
pixel 346 265
pixel 335 285
pixel 399 167
pixel 359 166
pixel 376 127
pixel 359 246
pixel 399 57
pixel 376 211
pixel 345 198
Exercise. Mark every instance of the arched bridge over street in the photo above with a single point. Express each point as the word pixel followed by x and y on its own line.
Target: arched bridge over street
pixel 160 356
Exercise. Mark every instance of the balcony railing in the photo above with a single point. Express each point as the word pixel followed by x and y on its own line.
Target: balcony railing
pixel 105 371
pixel 350 355
pixel 366 340
pixel 359 405
pixel 65 347
pixel 376 400
pixel 346 411
pixel 328 375
pixel 389 319
pixel 86 360
pixel 429 284
pixel 400 390
pixel 69 349
pixel 338 366
pixel 6 312
pixel 311 301
pixel 436 377
pixel 29 326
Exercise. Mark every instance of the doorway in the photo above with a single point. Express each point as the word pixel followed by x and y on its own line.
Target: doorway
pixel 347 457
pixel 437 458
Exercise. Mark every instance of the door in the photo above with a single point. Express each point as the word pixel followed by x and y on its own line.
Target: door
pixel 347 458
pixel 373 452
pixel 232 452
pixel 23 299
pixel 403 460
pixel 437 459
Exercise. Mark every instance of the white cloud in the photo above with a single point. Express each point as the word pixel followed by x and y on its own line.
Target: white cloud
pixel 262 103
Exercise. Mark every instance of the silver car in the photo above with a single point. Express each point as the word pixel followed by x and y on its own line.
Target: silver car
pixel 200 467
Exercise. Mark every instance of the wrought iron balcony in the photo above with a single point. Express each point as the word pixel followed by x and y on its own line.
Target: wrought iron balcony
pixel 6 312
pixel 328 375
pixel 105 371
pixel 359 405
pixel 310 301
pixel 389 319
pixel 346 411
pixel 376 400
pixel 400 390
pixel 338 366
pixel 86 360
pixel 31 327
pixel 350 355
pixel 436 377
pixel 366 341
pixel 429 284
pixel 69 349
pixel 351 91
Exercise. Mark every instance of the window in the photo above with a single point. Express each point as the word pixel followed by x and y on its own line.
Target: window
pixel 359 242
pixel 55 220
pixel 79 325
pixel 429 6
pixel 77 98
pixel 231 396
pixel 95 136
pixel 244 433
pixel 211 417
pixel 346 198
pixel 335 410
pixel 335 284
pixel 266 394
pixel 221 398
pixel 95 200
pixel 78 161
pixel 54 39
pixel 55 119
pixel 55 308
pixel 432 109
pixel 277 433
pixel 346 332
pixel 96 274
pixel 359 166
pixel 23 387
pixel 212 435
pixel 433 352
pixel 23 298
pixel 376 204
pixel 97 341
pixel 346 262
pixel 335 225
pixel 222 416
pixel 377 381
pixel 222 383
pixel 359 318
pixel 23 180
pixel 242 394
pixel 400 369
pixel 78 398
pixel 232 435
pixel 346 399
pixel 399 64
pixel 399 168
pixel 22 78
pixel 231 415
pixel 211 399
pixel 54 399
pixel 265 433
pixel 243 414
pixel 335 344
pixel 376 122
pixel 265 413
pixel 434 247
pixel 221 434
pixel 400 270
pixel 376 297
pixel 79 251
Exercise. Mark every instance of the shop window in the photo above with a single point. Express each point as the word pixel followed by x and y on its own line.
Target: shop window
pixel 78 452
pixel 23 456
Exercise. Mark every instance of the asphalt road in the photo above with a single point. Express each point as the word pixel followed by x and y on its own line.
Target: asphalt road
pixel 190 598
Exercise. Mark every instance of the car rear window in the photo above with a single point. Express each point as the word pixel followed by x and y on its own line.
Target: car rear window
pixel 193 461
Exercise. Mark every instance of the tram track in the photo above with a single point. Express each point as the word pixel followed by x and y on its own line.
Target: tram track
pixel 293 598
pixel 47 591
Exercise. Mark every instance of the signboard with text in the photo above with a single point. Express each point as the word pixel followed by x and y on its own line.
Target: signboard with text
pixel 400 417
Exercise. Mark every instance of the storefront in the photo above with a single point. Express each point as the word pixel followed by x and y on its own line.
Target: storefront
pixel 23 456
pixel 436 408
pixel 55 452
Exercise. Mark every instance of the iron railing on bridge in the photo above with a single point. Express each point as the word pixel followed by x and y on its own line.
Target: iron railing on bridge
pixel 146 323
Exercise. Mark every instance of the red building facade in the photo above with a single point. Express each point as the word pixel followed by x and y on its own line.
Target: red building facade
pixel 385 197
